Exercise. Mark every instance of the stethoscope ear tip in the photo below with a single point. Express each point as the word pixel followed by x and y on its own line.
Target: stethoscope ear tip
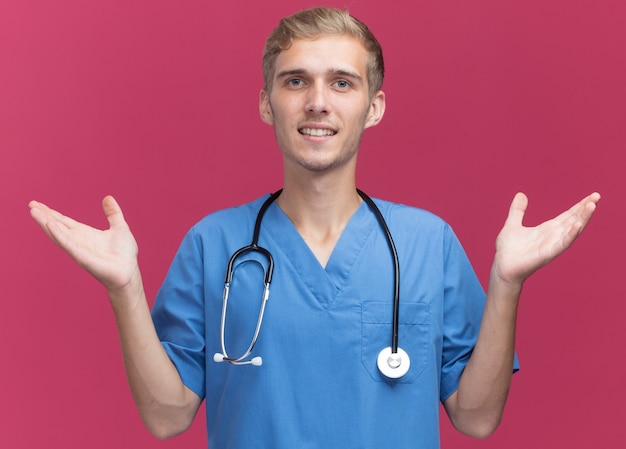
pixel 219 357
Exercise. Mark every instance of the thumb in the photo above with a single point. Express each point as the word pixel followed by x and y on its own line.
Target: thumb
pixel 112 211
pixel 517 209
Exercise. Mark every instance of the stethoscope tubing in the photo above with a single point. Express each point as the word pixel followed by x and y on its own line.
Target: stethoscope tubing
pixel 389 359
pixel 396 270
pixel 253 247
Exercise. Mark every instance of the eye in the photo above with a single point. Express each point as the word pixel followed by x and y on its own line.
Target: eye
pixel 342 84
pixel 295 82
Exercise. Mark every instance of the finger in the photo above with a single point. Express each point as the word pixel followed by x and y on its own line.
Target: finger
pixel 50 222
pixel 575 220
pixel 595 197
pixel 39 214
pixel 580 213
pixel 39 211
pixel 580 207
pixel 44 215
pixel 517 209
pixel 589 205
pixel 587 210
pixel 112 211
pixel 59 234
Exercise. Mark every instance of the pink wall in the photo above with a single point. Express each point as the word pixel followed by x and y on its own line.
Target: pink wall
pixel 156 103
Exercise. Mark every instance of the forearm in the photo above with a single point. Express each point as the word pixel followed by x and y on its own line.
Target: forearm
pixel 476 407
pixel 166 405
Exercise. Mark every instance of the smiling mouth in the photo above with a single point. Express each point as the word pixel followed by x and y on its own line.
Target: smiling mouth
pixel 316 132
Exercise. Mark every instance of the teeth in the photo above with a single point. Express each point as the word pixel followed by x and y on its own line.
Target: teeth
pixel 317 132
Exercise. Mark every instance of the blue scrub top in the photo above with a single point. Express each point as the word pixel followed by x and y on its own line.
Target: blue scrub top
pixel 319 385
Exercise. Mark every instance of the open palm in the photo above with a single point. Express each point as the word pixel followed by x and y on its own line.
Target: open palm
pixel 109 255
pixel 520 250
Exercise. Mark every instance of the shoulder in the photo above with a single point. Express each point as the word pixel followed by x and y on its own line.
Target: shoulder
pixel 412 224
pixel 228 220
pixel 400 214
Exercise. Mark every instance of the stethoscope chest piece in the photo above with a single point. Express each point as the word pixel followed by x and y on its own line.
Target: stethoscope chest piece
pixel 393 365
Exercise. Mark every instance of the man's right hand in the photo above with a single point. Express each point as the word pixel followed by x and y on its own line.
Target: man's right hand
pixel 109 255
pixel 166 405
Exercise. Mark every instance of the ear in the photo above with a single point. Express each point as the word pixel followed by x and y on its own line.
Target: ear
pixel 265 108
pixel 377 109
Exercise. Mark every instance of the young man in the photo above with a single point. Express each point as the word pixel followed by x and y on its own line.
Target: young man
pixel 332 293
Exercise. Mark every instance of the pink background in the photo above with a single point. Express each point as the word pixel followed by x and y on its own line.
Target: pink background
pixel 156 103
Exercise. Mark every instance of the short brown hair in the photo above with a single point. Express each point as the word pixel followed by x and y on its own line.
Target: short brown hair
pixel 314 22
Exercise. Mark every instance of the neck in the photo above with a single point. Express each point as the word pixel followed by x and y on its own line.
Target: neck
pixel 320 202
pixel 320 211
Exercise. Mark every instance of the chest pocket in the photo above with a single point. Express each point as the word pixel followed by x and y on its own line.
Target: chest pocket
pixel 413 336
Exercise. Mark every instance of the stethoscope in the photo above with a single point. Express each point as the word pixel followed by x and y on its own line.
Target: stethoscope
pixel 392 361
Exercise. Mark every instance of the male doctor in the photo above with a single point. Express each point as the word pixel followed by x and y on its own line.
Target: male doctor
pixel 330 310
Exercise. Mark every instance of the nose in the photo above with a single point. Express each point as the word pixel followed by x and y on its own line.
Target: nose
pixel 317 99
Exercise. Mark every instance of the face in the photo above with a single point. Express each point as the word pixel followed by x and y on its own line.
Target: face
pixel 319 103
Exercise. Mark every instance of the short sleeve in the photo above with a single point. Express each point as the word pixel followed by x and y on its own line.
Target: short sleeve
pixel 178 314
pixel 464 302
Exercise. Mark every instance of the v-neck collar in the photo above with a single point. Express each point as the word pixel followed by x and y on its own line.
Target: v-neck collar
pixel 324 283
